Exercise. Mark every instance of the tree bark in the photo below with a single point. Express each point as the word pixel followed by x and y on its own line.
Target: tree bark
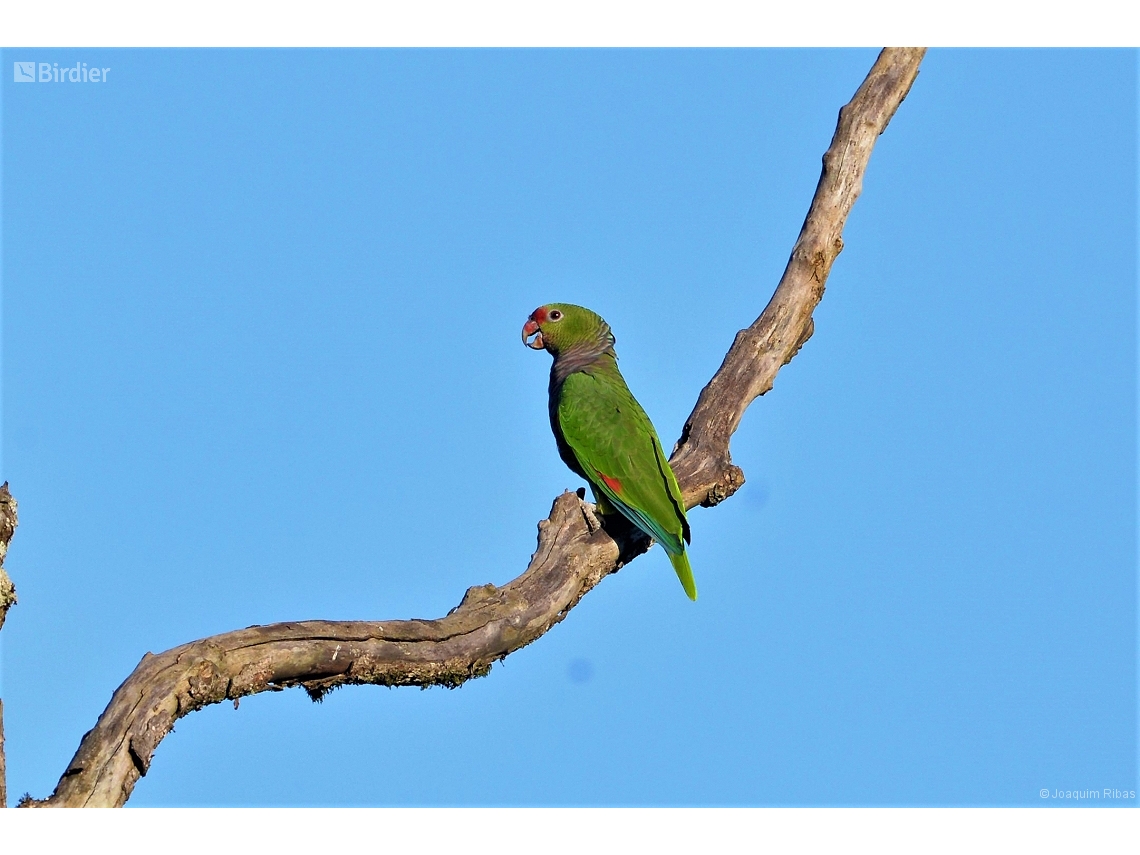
pixel 574 551
pixel 8 523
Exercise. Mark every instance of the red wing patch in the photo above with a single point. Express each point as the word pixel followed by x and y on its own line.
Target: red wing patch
pixel 613 483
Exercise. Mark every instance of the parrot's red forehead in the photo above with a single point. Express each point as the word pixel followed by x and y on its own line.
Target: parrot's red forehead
pixel 539 315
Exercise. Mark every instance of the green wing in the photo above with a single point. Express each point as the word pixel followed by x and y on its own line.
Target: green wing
pixel 617 447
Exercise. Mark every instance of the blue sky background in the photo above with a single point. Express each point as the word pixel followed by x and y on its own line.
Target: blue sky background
pixel 261 362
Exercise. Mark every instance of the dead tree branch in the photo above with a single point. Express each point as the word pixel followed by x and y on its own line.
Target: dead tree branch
pixel 8 523
pixel 573 553
pixel 701 460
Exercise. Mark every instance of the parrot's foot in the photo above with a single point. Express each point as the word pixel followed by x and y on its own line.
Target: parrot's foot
pixel 592 521
pixel 603 506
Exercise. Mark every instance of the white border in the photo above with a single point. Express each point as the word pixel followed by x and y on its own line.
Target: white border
pixel 555 831
pixel 560 23
pixel 338 23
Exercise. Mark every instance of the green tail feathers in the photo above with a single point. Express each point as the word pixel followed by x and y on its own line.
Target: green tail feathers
pixel 680 563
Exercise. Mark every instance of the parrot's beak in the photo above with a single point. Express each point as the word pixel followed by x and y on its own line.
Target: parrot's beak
pixel 531 328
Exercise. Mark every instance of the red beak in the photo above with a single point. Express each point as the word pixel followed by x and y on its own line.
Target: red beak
pixel 531 328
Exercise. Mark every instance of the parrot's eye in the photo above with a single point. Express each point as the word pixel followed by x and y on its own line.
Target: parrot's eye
pixel 556 315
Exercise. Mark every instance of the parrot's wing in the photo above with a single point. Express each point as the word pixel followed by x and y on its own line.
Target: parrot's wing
pixel 617 447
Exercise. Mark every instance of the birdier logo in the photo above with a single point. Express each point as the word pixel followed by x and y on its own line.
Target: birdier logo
pixel 51 72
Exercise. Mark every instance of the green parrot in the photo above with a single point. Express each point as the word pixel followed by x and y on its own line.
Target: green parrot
pixel 602 432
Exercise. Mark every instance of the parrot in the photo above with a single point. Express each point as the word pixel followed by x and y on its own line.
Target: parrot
pixel 603 434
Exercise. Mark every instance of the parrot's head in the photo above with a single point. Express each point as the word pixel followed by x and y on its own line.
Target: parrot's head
pixel 558 327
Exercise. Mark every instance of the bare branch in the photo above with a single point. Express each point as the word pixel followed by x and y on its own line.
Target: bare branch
pixel 320 655
pixel 701 460
pixel 574 554
pixel 8 523
pixel 3 770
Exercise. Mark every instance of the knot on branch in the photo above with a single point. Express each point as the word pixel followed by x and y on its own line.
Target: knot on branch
pixel 205 685
pixel 731 479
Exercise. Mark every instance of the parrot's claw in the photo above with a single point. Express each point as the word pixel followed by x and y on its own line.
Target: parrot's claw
pixel 592 521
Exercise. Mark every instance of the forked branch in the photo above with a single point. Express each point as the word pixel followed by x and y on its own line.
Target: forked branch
pixel 573 553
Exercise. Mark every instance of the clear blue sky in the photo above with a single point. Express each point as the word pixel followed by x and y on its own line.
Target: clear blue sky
pixel 261 362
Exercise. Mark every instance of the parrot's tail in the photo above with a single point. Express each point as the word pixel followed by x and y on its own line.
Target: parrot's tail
pixel 680 563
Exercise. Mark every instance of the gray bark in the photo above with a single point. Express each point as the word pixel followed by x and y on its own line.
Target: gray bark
pixel 8 523
pixel 574 551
